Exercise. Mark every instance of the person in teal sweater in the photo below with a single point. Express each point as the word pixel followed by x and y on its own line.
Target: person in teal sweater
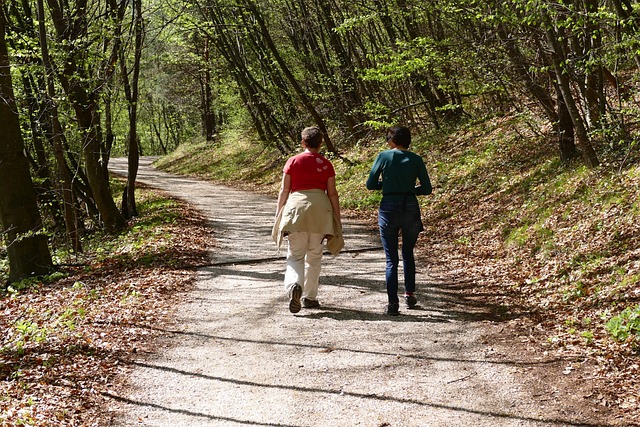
pixel 401 175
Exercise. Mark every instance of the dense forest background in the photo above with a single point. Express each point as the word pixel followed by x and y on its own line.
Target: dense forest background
pixel 528 110
pixel 90 79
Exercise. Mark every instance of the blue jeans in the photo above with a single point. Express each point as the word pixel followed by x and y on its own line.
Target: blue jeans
pixel 395 216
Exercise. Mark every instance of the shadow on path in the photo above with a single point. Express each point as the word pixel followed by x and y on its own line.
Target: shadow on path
pixel 235 341
pixel 342 392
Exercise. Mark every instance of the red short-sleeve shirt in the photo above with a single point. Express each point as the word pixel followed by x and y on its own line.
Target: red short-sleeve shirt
pixel 309 171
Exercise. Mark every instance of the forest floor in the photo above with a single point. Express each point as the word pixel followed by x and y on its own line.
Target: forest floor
pixel 228 352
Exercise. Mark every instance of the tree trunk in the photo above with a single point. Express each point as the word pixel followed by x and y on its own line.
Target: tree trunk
pixel 64 176
pixel 287 72
pixel 27 246
pixel 131 91
pixel 41 132
pixel 594 80
pixel 209 118
pixel 625 10
pixel 85 104
pixel 255 96
pixel 109 136
pixel 564 126
pixel 91 148
pixel 558 56
pixel 346 95
pixel 521 67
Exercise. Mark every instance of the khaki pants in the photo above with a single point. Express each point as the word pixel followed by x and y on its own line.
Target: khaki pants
pixel 304 257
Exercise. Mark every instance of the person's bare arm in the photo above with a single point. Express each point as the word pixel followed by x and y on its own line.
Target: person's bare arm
pixel 283 195
pixel 332 192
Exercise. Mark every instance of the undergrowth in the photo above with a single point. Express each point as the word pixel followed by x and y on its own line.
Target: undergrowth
pixel 67 338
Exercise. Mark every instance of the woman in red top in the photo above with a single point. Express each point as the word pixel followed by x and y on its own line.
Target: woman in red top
pixel 308 207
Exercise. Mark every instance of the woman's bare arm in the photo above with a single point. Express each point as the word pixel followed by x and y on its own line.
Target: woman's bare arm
pixel 332 192
pixel 283 195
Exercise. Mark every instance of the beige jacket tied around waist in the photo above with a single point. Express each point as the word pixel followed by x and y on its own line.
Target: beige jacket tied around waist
pixel 309 211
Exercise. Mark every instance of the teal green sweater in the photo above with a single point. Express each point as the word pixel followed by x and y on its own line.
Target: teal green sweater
pixel 400 169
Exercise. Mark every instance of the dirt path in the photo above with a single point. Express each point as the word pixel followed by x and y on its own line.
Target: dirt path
pixel 237 357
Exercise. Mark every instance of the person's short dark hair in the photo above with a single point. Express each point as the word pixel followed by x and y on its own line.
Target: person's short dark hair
pixel 312 136
pixel 401 135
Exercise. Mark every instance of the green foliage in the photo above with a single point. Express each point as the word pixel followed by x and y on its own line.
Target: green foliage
pixel 626 325
pixel 350 182
pixel 4 267
pixel 77 330
pixel 31 282
pixel 28 331
pixel 235 157
pixel 518 236
pixel 140 244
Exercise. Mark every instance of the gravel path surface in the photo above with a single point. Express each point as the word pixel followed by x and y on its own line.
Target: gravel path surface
pixel 236 356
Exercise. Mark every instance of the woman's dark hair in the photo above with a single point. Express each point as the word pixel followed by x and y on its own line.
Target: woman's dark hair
pixel 312 136
pixel 401 135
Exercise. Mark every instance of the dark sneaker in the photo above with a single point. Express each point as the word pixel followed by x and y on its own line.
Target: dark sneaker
pixel 294 301
pixel 410 300
pixel 310 303
pixel 392 310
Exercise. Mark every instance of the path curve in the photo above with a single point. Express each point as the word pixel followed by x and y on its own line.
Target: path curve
pixel 237 357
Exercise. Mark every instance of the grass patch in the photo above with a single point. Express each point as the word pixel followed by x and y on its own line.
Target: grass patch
pixel 234 159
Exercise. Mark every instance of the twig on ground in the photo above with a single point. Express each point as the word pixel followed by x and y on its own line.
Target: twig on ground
pixel 463 378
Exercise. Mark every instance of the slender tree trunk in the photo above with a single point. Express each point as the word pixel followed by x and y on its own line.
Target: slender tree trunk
pixel 588 153
pixel 86 114
pixel 116 13
pixel 346 94
pixel 521 67
pixel 155 126
pixel 287 72
pixel 64 176
pixel 270 128
pixel 27 246
pixel 84 102
pixel 564 125
pixel 131 90
pixel 624 10
pixel 594 80
pixel 209 117
pixel 109 136
pixel 387 21
pixel 41 133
